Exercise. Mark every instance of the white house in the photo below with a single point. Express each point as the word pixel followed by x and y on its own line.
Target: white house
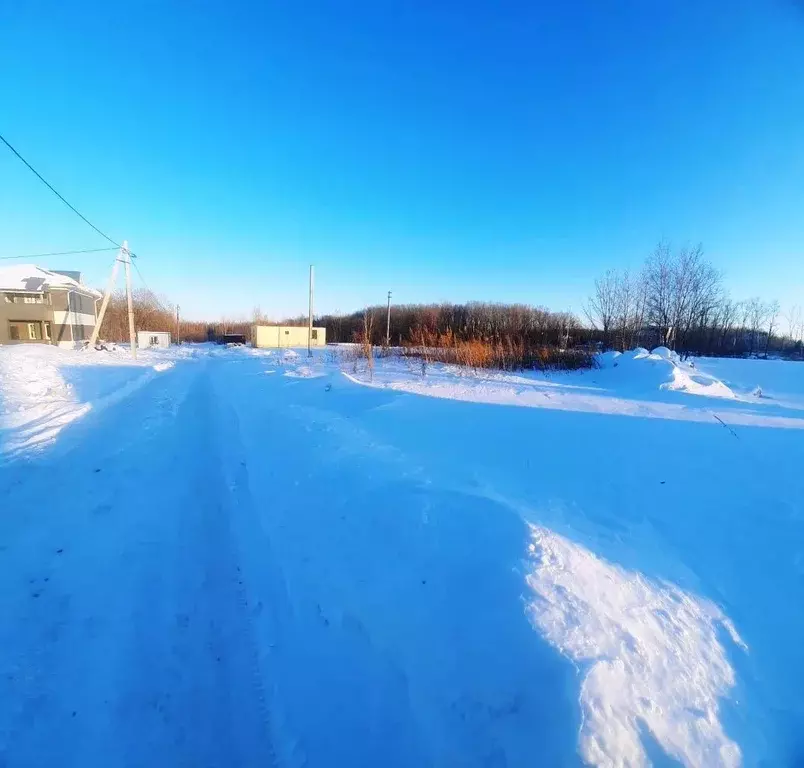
pixel 147 339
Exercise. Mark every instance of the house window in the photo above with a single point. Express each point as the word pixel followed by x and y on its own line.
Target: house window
pixel 287 333
pixel 19 298
pixel 315 335
pixel 46 330
pixel 34 331
pixel 14 331
pixel 154 342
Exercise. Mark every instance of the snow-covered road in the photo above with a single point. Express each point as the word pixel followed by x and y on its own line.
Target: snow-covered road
pixel 131 642
pixel 226 569
pixel 250 563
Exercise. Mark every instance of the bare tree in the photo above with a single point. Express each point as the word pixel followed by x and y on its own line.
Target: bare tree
pixel 773 310
pixel 727 315
pixel 698 292
pixel 756 315
pixel 660 286
pixel 684 292
pixel 601 308
pixel 629 315
pixel 365 341
pixel 793 318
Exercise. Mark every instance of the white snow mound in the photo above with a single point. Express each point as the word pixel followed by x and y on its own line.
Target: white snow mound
pixel 660 369
pixel 666 354
pixel 651 654
pixel 304 372
pixel 608 359
pixel 45 388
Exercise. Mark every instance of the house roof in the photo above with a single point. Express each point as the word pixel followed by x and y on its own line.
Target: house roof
pixel 32 279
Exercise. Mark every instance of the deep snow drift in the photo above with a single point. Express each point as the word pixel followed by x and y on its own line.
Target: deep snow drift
pixel 258 558
pixel 652 654
pixel 661 370
pixel 44 388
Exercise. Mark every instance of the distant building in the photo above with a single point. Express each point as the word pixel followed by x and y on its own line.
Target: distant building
pixel 273 336
pixel 147 339
pixel 230 338
pixel 44 306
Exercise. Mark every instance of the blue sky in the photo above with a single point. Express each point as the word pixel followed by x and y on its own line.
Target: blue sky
pixel 446 150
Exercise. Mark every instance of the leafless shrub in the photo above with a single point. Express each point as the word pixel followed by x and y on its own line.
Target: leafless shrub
pixel 363 339
pixel 679 301
pixel 506 355
pixel 150 314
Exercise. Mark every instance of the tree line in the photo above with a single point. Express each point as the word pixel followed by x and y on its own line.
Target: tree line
pixel 153 313
pixel 678 300
pixel 150 314
pixel 476 334
pixel 473 321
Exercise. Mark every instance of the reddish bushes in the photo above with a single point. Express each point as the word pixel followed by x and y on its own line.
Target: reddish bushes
pixel 510 354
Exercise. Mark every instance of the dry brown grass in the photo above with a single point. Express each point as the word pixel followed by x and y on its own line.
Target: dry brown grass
pixel 504 355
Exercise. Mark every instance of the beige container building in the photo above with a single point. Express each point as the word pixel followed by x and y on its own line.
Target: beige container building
pixel 277 336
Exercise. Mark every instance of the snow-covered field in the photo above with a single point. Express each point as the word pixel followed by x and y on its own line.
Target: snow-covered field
pixel 236 557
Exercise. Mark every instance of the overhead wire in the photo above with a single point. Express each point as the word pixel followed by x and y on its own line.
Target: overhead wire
pixel 152 293
pixel 58 253
pixel 61 197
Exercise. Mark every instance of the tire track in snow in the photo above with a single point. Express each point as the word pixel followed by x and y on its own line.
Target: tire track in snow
pixel 231 465
pixel 263 593
pixel 401 639
pixel 124 594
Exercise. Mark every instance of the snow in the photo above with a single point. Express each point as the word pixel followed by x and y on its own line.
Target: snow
pixel 638 384
pixel 45 388
pixel 229 556
pixel 662 369
pixel 30 278
pixel 779 380
pixel 651 651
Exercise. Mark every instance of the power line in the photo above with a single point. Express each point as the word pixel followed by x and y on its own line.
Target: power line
pixel 50 187
pixel 57 253
pixel 147 288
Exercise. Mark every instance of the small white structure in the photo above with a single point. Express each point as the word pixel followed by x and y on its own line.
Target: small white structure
pixel 147 339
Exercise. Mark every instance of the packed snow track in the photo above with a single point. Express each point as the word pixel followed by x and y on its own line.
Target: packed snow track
pixel 251 560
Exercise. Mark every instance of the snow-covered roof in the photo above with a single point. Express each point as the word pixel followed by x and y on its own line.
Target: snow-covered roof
pixel 30 278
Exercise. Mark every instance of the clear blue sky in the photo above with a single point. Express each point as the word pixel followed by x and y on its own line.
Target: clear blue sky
pixel 448 149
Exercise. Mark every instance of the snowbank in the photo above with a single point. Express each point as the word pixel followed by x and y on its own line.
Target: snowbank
pixel 367 552
pixel 304 372
pixel 661 369
pixel 45 388
pixel 780 381
pixel 650 655
pixel 608 359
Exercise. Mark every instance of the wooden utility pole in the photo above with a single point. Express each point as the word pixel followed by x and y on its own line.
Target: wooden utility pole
pixel 129 301
pixel 105 303
pixel 388 323
pixel 310 316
